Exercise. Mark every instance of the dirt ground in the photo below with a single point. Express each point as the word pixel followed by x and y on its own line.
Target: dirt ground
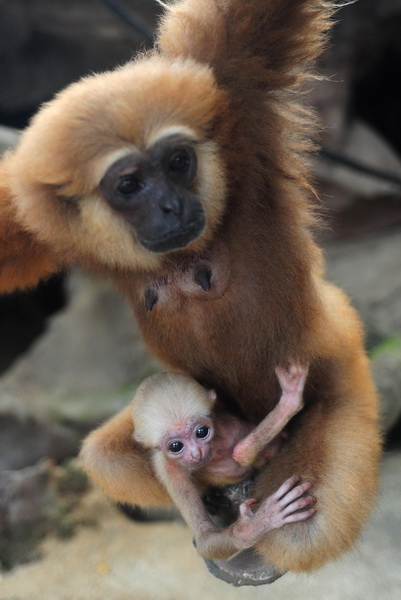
pixel 119 559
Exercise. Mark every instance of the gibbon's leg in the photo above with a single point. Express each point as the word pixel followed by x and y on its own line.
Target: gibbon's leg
pixel 292 381
pixel 23 260
pixel 275 511
pixel 120 466
pixel 335 445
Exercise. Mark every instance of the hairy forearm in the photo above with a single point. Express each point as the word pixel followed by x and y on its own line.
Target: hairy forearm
pixel 23 260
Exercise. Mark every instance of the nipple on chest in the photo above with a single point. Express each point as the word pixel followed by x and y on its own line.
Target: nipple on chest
pixel 151 298
pixel 203 277
pixel 171 291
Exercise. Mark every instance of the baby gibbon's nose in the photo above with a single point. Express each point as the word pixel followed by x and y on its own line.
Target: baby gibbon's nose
pixel 196 453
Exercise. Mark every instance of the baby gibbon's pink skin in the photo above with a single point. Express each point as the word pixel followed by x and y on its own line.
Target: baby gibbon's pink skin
pixel 177 416
pixel 292 380
pixel 192 438
pixel 291 503
pixel 190 445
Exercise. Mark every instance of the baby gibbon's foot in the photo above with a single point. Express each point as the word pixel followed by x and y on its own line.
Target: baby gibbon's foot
pixel 292 381
pixel 290 503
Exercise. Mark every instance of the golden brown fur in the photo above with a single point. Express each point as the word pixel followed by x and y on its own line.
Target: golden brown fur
pixel 226 72
pixel 106 126
pixel 23 260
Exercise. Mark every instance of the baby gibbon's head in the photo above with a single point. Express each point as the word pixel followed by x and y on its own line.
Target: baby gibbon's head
pixel 166 401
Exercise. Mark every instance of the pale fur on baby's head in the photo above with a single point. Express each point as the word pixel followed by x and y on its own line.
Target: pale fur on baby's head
pixel 164 400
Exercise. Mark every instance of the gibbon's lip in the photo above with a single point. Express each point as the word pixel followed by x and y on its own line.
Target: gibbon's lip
pixel 174 240
pixel 204 460
pixel 202 463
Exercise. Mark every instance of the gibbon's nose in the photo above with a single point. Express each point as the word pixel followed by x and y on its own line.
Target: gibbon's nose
pixel 196 453
pixel 170 204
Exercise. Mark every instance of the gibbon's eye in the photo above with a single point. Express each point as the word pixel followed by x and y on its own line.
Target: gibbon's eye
pixel 202 432
pixel 179 162
pixel 129 184
pixel 176 447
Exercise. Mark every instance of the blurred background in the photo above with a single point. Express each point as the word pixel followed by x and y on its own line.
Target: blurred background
pixel 70 353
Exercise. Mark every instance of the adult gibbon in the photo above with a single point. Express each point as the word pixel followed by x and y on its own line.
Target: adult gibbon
pixel 181 176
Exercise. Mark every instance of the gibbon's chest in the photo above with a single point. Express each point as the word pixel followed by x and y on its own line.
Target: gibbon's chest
pixel 185 307
pixel 200 316
pixel 194 301
pixel 186 282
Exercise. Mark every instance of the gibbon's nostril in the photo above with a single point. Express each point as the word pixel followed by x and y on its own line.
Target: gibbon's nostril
pixel 171 206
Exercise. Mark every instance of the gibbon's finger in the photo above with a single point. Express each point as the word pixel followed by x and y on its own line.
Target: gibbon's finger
pixel 300 516
pixel 295 493
pixel 244 508
pixel 298 504
pixel 286 487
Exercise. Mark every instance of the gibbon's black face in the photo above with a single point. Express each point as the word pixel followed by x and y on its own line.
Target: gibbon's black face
pixel 156 194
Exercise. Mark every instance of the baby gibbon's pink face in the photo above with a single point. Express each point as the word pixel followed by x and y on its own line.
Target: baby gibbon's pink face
pixel 190 443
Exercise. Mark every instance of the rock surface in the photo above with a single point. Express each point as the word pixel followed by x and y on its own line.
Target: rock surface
pixel 85 366
pixel 122 560
pixel 8 138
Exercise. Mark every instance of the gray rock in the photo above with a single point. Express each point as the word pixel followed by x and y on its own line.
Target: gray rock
pixel 82 370
pixel 24 441
pixel 24 495
pixel 369 269
pixel 386 367
pixel 25 501
pixel 85 366
pixel 8 138
pixel 362 144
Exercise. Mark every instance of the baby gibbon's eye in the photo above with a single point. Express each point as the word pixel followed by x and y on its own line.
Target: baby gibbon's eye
pixel 176 447
pixel 202 432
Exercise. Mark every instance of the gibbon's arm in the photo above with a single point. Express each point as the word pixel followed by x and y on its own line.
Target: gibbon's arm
pixel 23 260
pixel 120 465
pixel 217 63
pixel 275 511
pixel 247 42
pixel 292 381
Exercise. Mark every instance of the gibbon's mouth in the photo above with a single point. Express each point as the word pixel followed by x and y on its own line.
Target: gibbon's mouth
pixel 174 240
pixel 199 464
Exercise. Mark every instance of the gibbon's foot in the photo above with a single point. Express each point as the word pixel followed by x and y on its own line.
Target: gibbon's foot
pixel 143 515
pixel 292 378
pixel 289 504
pixel 292 381
pixel 245 568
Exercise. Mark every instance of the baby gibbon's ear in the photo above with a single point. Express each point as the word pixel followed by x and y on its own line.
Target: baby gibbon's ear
pixel 212 395
pixel 137 437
